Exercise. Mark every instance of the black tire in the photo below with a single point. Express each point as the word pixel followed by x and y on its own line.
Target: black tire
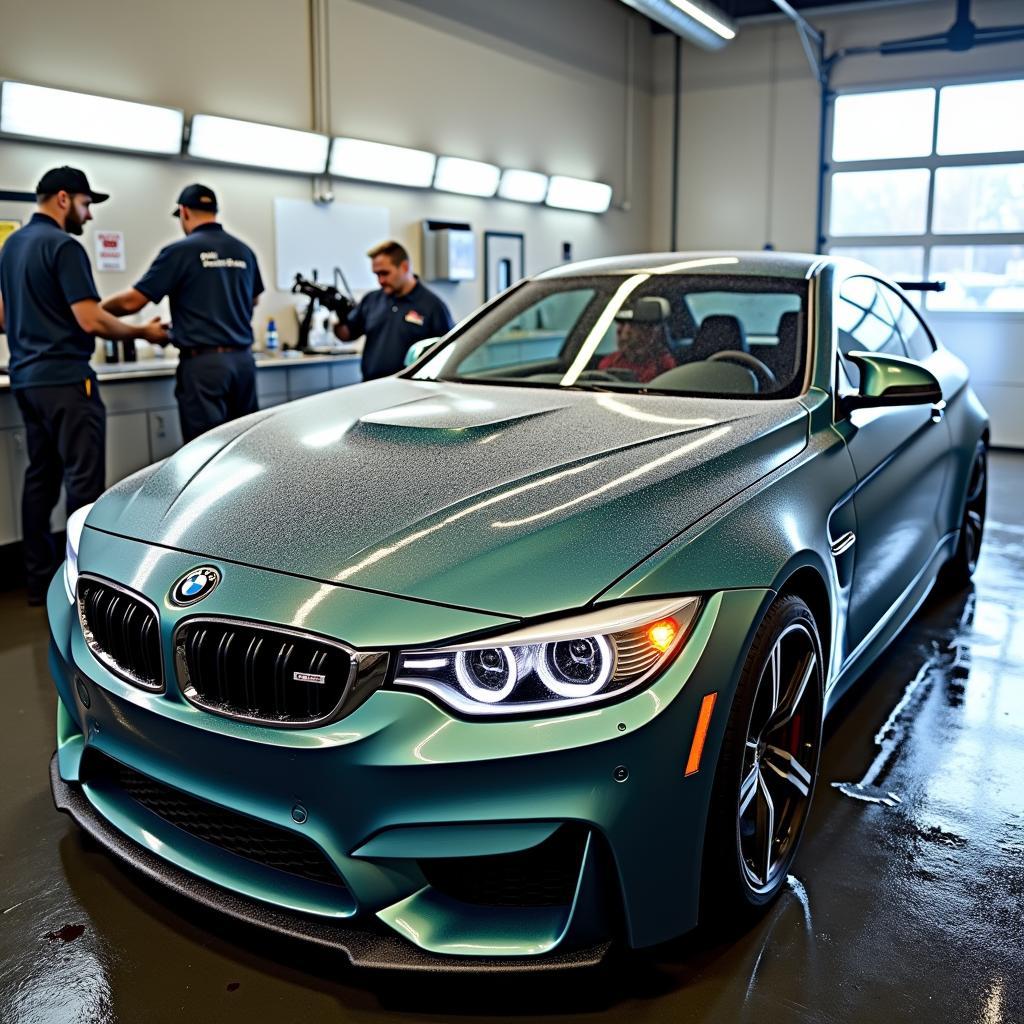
pixel 957 572
pixel 742 872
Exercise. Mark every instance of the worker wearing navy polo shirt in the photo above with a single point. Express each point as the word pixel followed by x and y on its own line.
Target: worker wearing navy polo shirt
pixel 213 281
pixel 52 315
pixel 393 318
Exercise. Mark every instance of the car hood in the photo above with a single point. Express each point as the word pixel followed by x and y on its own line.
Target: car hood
pixel 520 501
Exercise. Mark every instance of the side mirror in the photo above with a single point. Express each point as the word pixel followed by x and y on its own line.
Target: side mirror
pixel 891 380
pixel 418 349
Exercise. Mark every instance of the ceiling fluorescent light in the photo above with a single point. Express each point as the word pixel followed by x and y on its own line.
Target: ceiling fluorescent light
pixel 61 116
pixel 373 161
pixel 578 194
pixel 468 177
pixel 698 21
pixel 523 186
pixel 257 145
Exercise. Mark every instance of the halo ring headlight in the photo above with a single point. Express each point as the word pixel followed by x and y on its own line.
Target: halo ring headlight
pixel 488 675
pixel 576 668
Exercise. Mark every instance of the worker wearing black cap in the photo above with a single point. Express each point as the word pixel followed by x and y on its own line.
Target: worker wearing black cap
pixel 52 314
pixel 213 282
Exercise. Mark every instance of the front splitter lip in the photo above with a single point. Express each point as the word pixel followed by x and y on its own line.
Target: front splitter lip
pixel 363 947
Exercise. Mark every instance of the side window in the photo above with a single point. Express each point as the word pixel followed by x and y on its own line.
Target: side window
pixel 915 335
pixel 865 324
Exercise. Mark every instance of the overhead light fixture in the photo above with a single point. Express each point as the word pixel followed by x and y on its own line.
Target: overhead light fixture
pixel 698 21
pixel 578 194
pixel 523 186
pixel 374 161
pixel 468 177
pixel 257 145
pixel 58 115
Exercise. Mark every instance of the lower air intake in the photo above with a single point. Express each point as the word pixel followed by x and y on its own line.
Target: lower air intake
pixel 546 875
pixel 235 833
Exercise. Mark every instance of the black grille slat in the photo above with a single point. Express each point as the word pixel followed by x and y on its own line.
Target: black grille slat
pixel 258 841
pixel 261 673
pixel 122 631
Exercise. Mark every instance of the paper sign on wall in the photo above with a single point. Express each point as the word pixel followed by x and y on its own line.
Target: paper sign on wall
pixel 7 228
pixel 110 250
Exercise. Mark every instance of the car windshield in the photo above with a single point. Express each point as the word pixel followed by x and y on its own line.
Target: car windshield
pixel 710 334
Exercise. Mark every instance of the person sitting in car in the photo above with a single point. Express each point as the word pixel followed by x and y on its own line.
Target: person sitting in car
pixel 643 350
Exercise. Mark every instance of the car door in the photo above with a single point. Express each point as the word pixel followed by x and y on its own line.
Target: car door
pixel 900 455
pixel 952 375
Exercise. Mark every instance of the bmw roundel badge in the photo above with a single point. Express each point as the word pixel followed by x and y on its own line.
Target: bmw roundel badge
pixel 195 585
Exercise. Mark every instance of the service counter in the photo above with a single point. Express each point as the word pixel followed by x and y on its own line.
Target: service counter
pixel 142 416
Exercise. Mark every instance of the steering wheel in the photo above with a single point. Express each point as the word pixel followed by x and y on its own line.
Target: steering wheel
pixel 766 380
pixel 599 375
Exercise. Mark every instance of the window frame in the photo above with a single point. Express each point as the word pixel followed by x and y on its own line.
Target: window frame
pixel 929 239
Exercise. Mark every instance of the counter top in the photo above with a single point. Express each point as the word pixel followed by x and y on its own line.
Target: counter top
pixel 165 366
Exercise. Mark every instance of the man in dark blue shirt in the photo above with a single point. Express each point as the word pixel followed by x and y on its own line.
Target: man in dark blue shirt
pixel 396 316
pixel 213 281
pixel 51 312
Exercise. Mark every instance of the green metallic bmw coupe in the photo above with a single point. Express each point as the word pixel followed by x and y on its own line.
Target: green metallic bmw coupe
pixel 524 652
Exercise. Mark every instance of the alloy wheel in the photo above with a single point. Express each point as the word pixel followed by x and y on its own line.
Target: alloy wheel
pixel 974 510
pixel 780 758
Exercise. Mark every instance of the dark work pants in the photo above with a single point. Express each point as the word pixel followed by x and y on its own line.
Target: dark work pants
pixel 66 435
pixel 212 388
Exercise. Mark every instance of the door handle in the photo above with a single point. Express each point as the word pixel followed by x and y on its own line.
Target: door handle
pixel 938 410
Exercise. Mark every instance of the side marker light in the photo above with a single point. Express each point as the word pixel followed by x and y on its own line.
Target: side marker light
pixel 707 705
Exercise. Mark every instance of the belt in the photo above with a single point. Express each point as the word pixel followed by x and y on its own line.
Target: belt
pixel 201 350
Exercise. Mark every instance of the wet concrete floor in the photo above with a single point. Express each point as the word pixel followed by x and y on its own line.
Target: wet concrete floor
pixel 906 902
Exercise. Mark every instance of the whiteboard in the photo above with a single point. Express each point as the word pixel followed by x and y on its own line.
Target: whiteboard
pixel 321 236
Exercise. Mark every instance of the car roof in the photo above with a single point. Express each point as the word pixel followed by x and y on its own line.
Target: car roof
pixel 762 263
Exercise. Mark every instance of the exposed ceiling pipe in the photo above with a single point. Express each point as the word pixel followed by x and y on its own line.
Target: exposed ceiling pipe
pixel 811 39
pixel 320 66
pixel 698 21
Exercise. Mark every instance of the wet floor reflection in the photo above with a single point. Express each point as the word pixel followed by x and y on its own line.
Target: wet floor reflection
pixel 906 902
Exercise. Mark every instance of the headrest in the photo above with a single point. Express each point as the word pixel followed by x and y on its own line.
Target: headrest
pixel 789 324
pixel 786 330
pixel 720 332
pixel 650 310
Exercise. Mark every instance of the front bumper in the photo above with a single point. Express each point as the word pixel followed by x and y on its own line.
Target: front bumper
pixel 363 946
pixel 399 783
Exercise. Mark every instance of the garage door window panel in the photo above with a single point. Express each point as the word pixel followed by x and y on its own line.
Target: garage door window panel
pixel 883 125
pixel 879 202
pixel 987 278
pixel 976 200
pixel 982 117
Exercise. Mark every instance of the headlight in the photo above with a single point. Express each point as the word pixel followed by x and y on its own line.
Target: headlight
pixel 592 657
pixel 76 522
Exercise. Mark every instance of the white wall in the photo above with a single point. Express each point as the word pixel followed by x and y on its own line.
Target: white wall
pixel 536 87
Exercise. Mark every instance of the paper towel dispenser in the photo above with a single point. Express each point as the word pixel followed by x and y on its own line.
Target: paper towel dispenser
pixel 449 251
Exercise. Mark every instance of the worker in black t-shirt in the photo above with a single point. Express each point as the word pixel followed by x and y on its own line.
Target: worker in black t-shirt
pixel 393 318
pixel 213 281
pixel 52 314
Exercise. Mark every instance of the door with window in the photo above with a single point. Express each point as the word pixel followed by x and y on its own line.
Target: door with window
pixel 900 454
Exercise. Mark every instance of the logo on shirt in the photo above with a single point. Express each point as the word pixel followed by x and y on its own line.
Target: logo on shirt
pixel 211 261
pixel 194 585
pixel 412 317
